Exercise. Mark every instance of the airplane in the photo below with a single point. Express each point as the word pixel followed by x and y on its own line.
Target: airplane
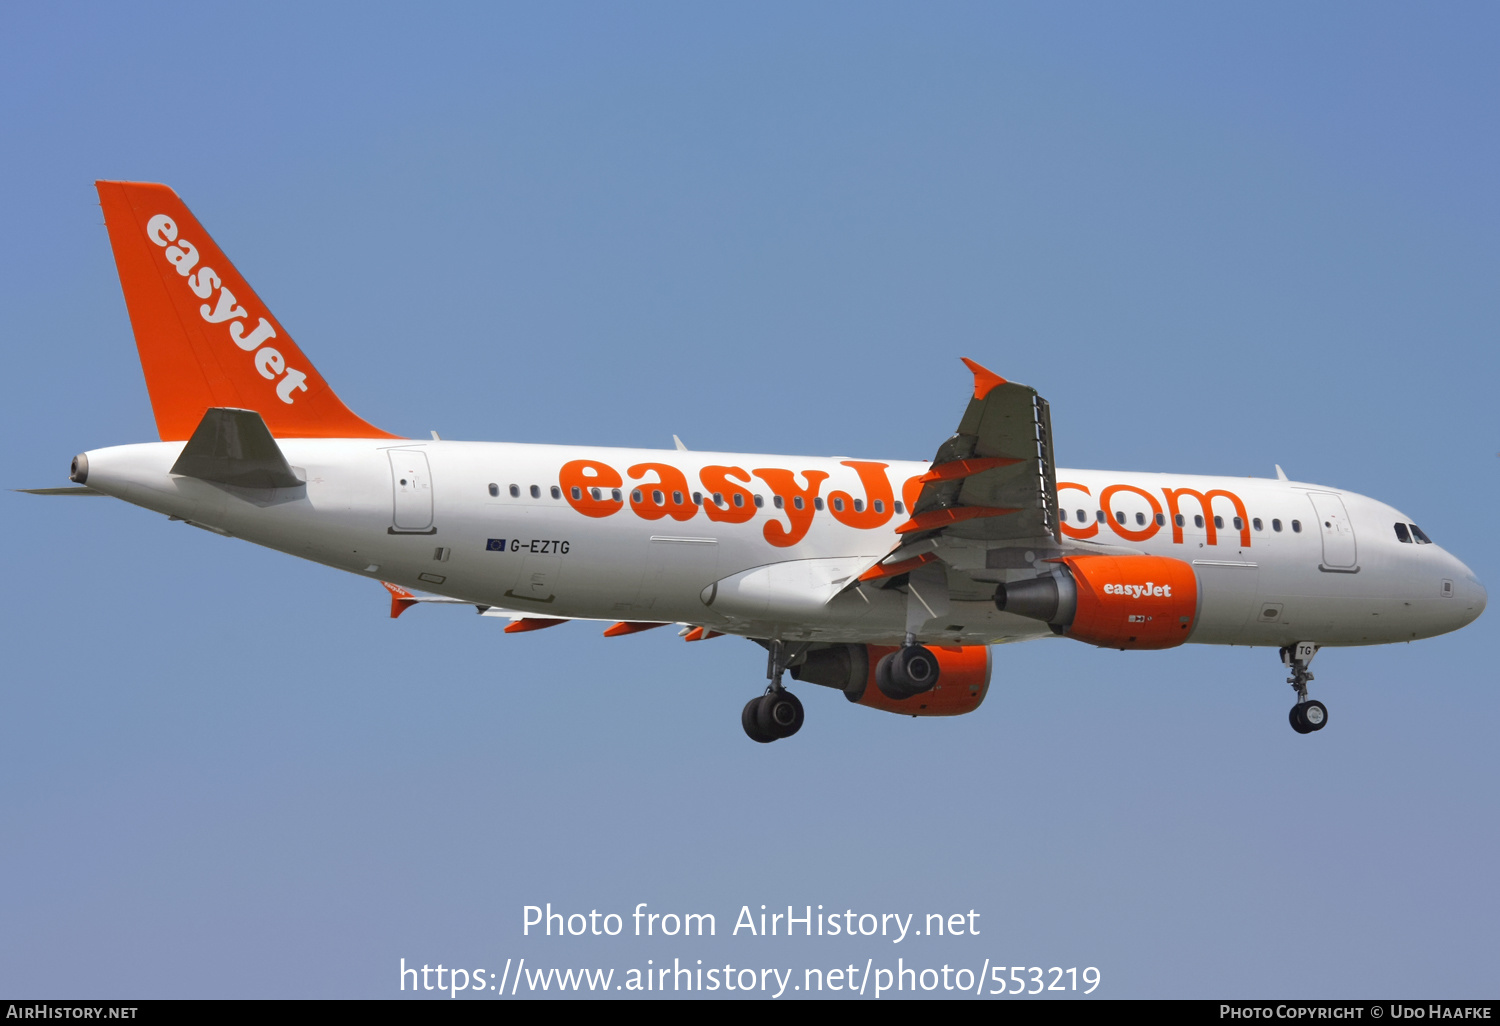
pixel 887 580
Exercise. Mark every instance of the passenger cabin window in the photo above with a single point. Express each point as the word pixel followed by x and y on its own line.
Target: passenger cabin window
pixel 1239 525
pixel 635 496
pixel 859 505
pixel 1256 523
pixel 838 504
pixel 1296 527
pixel 1219 522
pixel 697 498
pixel 797 501
pixel 718 498
pixel 1179 520
pixel 536 493
pixel 494 491
pixel 900 510
pixel 739 498
pixel 1161 520
pixel 577 493
pixel 1197 520
pixel 657 497
pixel 1416 532
pixel 1120 517
pixel 515 491
pixel 615 494
pixel 879 505
pixel 1099 515
pixel 1402 534
pixel 677 498
pixel 557 492
pixel 818 504
pixel 759 502
pixel 597 495
pixel 1082 517
pixel 779 502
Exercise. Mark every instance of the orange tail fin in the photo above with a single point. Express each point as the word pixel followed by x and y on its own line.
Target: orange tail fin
pixel 205 338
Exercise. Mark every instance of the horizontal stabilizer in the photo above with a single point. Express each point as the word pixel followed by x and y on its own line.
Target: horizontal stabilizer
pixel 73 490
pixel 234 447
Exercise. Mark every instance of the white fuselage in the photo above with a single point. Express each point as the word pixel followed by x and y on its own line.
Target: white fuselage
pixel 441 517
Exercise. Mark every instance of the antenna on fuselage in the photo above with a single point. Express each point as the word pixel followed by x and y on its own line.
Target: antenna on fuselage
pixel 1280 474
pixel 678 442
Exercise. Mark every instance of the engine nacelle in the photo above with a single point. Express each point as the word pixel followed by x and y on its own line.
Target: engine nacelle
pixel 963 678
pixel 1111 601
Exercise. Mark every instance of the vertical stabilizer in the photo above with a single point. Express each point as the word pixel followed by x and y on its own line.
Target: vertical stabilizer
pixel 204 337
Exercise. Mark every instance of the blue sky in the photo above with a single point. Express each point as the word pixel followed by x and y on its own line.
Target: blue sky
pixel 1214 238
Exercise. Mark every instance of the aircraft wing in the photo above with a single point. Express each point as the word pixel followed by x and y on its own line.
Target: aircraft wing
pixel 402 600
pixel 995 478
pixel 991 486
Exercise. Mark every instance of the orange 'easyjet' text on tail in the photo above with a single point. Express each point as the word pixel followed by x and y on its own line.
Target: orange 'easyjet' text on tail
pixel 205 338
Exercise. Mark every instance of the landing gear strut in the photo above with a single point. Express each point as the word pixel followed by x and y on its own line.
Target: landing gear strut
pixel 777 713
pixel 1307 715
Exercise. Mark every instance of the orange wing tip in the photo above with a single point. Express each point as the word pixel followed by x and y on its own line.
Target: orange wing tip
pixel 701 634
pixel 401 599
pixel 625 627
pixel 935 518
pixel 531 623
pixel 984 378
pixel 965 468
pixel 880 572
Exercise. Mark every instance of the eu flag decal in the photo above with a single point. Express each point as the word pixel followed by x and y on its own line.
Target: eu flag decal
pixel 495 545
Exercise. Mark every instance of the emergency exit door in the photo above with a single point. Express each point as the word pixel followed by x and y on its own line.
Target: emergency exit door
pixel 411 483
pixel 1339 549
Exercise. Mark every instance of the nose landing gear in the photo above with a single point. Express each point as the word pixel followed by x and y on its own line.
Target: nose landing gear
pixel 777 713
pixel 1307 715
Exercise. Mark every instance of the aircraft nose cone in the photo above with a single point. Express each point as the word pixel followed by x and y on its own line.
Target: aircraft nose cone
pixel 1471 594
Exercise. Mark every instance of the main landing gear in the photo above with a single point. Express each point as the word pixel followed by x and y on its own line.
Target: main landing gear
pixel 777 713
pixel 906 672
pixel 1307 715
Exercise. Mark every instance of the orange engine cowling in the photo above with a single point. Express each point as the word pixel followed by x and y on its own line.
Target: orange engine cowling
pixel 1111 601
pixel 963 678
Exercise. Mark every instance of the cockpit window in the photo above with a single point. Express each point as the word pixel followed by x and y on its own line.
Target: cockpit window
pixel 1402 535
pixel 1416 532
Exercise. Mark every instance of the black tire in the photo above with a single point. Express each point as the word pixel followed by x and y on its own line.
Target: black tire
pixel 883 678
pixel 780 714
pixel 750 720
pixel 906 672
pixel 1298 723
pixel 920 668
pixel 1315 715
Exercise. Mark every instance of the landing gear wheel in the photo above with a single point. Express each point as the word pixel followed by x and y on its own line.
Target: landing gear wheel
pixel 906 672
pixel 750 720
pixel 780 714
pixel 1314 714
pixel 1307 715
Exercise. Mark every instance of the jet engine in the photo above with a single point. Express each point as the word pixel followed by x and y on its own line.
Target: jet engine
pixel 1110 601
pixel 963 678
